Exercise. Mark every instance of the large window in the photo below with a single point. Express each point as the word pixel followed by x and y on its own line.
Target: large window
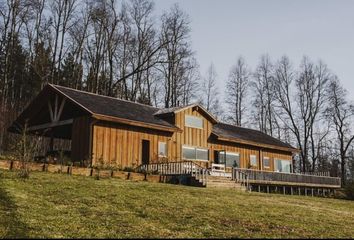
pixel 282 165
pixel 266 162
pixel 194 122
pixel 229 159
pixel 162 149
pixel 192 153
pixel 253 160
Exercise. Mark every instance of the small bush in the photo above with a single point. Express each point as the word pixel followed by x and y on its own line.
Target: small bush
pixel 129 169
pixel 349 190
pixel 23 173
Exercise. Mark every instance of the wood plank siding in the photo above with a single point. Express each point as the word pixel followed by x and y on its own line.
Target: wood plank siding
pixel 80 139
pixel 121 145
pixel 123 133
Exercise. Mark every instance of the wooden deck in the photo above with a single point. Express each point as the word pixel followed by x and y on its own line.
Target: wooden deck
pixel 288 179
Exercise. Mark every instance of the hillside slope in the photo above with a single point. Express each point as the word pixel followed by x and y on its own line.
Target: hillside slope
pixel 54 205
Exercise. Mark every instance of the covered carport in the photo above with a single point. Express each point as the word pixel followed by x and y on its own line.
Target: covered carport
pixel 57 117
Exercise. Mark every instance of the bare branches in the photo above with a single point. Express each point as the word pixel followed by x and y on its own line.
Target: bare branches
pixel 237 87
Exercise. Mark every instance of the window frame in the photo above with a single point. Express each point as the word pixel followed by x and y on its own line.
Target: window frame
pixel 195 117
pixel 283 160
pixel 195 151
pixel 266 158
pixel 232 154
pixel 255 156
pixel 166 149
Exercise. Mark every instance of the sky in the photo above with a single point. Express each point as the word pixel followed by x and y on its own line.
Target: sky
pixel 223 30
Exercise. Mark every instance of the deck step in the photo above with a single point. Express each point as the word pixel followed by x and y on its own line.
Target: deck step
pixel 223 182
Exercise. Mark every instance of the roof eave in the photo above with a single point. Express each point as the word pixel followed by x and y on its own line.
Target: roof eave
pixel 136 123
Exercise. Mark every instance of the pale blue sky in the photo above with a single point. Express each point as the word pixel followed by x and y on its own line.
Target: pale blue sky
pixel 224 29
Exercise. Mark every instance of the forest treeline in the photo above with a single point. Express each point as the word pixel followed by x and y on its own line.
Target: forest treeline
pixel 125 49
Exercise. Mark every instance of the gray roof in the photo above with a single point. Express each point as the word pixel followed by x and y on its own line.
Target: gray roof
pixel 233 132
pixel 114 107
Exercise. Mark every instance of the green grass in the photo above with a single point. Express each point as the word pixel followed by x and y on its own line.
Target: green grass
pixel 58 206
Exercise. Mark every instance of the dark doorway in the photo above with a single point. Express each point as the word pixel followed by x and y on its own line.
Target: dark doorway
pixel 145 152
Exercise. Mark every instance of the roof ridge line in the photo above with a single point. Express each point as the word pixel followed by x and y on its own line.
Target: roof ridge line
pixel 96 94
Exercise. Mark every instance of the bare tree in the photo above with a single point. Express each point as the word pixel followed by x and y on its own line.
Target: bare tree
pixel 176 52
pixel 210 92
pixel 236 90
pixel 302 112
pixel 263 84
pixel 340 112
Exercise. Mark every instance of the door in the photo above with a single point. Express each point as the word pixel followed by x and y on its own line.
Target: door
pixel 145 152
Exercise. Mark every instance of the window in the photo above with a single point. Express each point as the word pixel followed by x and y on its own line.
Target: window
pixel 189 153
pixel 253 160
pixel 232 159
pixel 282 165
pixel 162 149
pixel 202 154
pixel 192 153
pixel 266 162
pixel 194 122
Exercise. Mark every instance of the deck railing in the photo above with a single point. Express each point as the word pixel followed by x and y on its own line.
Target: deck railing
pixel 177 168
pixel 240 176
pixel 265 176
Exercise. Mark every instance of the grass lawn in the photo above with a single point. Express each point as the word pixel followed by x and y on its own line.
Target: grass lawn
pixel 58 206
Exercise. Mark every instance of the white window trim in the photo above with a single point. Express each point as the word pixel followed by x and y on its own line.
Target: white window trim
pixel 253 165
pixel 166 148
pixel 268 162
pixel 186 125
pixel 277 159
pixel 195 148
pixel 233 153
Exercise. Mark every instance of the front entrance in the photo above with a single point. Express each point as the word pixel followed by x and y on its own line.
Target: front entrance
pixel 145 152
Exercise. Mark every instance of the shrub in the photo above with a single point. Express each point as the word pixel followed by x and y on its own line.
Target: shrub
pixel 129 169
pixel 349 190
pixel 23 173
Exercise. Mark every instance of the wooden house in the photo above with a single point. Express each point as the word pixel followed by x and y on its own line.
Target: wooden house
pixel 123 133
pixel 106 131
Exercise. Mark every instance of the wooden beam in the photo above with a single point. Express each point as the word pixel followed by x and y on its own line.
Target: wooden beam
pixel 56 107
pixel 50 125
pixel 50 111
pixel 60 109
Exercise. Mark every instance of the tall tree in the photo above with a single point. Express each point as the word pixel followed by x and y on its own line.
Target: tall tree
pixel 263 85
pixel 210 91
pixel 176 52
pixel 340 112
pixel 236 89
pixel 300 113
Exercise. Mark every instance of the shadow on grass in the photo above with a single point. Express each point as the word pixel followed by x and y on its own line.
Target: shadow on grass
pixel 10 224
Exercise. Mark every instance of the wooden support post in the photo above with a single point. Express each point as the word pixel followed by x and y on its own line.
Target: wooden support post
pixel 291 190
pixel 305 191
pixel 276 189
pixel 318 192
pixel 267 188
pixel 299 190
pixel 283 189
pixel 51 143
pixel 312 192
pixel 259 188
